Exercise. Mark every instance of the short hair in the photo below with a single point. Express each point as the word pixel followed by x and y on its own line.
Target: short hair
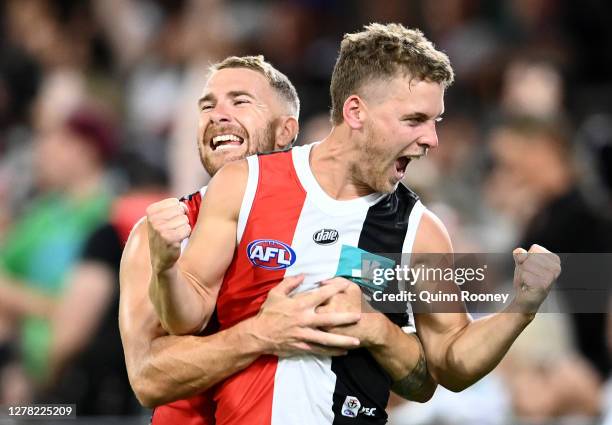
pixel 278 81
pixel 380 52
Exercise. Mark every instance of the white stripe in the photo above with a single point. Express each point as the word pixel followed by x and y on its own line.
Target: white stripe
pixel 308 380
pixel 413 226
pixel 249 196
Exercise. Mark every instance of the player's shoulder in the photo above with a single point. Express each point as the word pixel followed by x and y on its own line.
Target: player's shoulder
pixel 136 248
pixel 232 172
pixel 226 189
pixel 432 235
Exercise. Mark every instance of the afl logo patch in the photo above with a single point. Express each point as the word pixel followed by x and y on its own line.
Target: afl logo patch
pixel 270 254
pixel 325 236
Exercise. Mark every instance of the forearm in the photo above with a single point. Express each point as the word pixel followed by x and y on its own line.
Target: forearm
pixel 478 348
pixel 402 356
pixel 181 367
pixel 181 308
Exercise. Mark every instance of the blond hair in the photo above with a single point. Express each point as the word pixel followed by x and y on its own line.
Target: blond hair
pixel 381 52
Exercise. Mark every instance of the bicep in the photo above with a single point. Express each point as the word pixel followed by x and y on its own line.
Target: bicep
pixel 436 323
pixel 212 243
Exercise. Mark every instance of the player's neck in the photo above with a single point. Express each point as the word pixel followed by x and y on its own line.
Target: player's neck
pixel 333 163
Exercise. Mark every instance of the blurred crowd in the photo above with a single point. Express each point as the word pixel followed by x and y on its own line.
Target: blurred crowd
pixel 98 118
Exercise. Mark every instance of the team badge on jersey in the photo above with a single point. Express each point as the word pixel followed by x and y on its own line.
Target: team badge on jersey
pixel 270 254
pixel 351 407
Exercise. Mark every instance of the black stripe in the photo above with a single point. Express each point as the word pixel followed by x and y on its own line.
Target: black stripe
pixel 358 374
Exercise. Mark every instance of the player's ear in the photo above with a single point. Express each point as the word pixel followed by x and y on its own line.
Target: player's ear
pixel 354 112
pixel 286 132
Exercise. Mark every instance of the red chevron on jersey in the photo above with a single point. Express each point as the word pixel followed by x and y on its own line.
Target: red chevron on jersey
pixel 283 213
pixel 246 397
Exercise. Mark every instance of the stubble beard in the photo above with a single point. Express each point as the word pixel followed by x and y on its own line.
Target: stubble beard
pixel 375 174
pixel 261 141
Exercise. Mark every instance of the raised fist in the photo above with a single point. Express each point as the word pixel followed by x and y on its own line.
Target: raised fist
pixel 168 225
pixel 534 272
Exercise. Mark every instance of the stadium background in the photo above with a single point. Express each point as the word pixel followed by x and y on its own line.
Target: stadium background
pixel 524 155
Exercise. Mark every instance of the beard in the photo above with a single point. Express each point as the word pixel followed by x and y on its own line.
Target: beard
pixel 260 141
pixel 372 169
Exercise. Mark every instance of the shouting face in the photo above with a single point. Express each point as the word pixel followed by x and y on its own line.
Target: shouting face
pixel 239 113
pixel 400 126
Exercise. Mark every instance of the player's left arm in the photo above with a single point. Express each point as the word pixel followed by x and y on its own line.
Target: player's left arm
pixel 184 290
pixel 399 353
pixel 460 351
pixel 402 356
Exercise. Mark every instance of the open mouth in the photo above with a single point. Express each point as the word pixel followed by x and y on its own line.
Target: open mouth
pixel 400 165
pixel 225 141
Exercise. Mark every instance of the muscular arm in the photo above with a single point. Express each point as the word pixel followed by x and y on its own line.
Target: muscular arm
pixel 399 353
pixel 460 351
pixel 184 292
pixel 402 356
pixel 163 368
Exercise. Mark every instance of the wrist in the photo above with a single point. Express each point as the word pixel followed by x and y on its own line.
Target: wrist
pixel 164 273
pixel 254 341
pixel 378 330
pixel 520 312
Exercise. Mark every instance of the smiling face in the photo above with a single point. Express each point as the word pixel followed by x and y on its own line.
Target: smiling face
pixel 399 126
pixel 239 113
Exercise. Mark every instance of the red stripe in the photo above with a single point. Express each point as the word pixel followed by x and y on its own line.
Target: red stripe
pixel 192 202
pixel 198 410
pixel 246 398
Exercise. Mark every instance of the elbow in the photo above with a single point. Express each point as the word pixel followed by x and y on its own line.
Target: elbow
pixel 455 387
pixel 425 394
pixel 455 373
pixel 147 394
pixel 455 382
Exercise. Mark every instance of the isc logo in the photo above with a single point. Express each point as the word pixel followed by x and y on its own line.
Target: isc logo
pixel 270 254
pixel 325 236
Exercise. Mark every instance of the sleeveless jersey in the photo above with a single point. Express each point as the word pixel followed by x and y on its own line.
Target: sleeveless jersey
pixel 288 225
pixel 199 409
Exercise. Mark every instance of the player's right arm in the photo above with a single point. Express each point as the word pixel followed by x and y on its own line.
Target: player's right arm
pixel 459 350
pixel 184 290
pixel 164 368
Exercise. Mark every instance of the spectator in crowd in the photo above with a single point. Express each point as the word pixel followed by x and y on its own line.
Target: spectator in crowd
pixel 86 357
pixel 535 177
pixel 44 243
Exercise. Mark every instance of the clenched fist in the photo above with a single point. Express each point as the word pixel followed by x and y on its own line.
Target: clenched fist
pixel 534 273
pixel 168 225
